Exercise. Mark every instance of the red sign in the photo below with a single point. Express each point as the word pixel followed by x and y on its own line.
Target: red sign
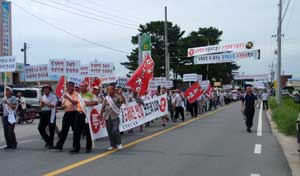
pixel 162 104
pixel 194 92
pixel 209 91
pixel 60 87
pixel 95 121
pixel 141 77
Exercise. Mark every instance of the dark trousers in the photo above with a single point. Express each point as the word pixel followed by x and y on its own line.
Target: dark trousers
pixel 88 137
pixel 79 124
pixel 9 133
pixel 194 109
pixel 265 105
pixel 171 112
pixel 112 126
pixel 68 121
pixel 249 118
pixel 45 117
pixel 179 110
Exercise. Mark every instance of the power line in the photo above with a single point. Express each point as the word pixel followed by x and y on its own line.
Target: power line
pixel 69 33
pixel 101 11
pixel 88 12
pixel 78 14
pixel 286 8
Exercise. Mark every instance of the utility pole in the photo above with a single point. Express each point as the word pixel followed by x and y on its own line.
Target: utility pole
pixel 25 53
pixel 140 59
pixel 278 89
pixel 167 61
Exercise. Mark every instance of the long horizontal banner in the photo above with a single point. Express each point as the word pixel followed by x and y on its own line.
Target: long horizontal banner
pixel 219 48
pixel 34 73
pixel 226 57
pixel 254 77
pixel 131 115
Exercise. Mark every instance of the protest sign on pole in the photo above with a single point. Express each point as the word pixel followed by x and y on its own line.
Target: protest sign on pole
pixel 108 79
pixel 226 57
pixel 191 77
pixel 121 82
pixel 101 68
pixel 72 67
pixel 193 92
pixel 7 64
pixel 56 67
pixel 204 84
pixel 36 73
pixel 84 71
pixel 131 115
pixel 219 48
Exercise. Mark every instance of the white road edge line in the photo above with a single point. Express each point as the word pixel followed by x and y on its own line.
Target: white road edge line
pixel 259 125
pixel 21 142
pixel 257 149
pixel 254 174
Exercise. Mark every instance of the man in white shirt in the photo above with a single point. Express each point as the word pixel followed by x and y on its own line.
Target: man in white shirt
pixel 179 104
pixel 265 98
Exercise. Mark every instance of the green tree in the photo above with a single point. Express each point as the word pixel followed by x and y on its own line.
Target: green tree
pixel 156 31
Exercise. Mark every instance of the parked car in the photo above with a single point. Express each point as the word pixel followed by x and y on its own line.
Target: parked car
pixel 285 92
pixel 32 96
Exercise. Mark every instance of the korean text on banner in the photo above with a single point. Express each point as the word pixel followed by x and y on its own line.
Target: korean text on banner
pixel 219 48
pixel 101 68
pixel 34 73
pixel 226 57
pixel 75 79
pixel 121 82
pixel 7 64
pixel 131 115
pixel 191 77
pixel 56 67
pixel 193 92
pixel 72 67
pixel 84 69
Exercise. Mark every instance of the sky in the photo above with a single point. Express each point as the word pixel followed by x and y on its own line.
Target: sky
pixel 113 22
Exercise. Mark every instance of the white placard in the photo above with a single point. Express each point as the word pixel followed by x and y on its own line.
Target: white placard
pixel 108 79
pixel 122 81
pixel 34 73
pixel 56 67
pixel 204 84
pixel 84 71
pixel 101 68
pixel 7 64
pixel 191 77
pixel 72 67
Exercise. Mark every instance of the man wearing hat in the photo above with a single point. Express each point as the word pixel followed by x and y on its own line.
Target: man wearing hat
pixel 48 115
pixel 10 104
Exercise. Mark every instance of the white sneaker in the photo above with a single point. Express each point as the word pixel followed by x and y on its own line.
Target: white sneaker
pixel 110 148
pixel 119 147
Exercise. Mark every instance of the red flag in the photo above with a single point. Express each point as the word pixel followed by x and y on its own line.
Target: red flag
pixel 92 81
pixel 60 87
pixel 141 77
pixel 209 91
pixel 193 92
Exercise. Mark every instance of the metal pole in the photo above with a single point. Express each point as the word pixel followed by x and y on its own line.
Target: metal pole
pixel 167 62
pixel 25 54
pixel 278 90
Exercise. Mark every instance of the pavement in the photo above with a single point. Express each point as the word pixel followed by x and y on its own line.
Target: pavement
pixel 213 144
pixel 289 146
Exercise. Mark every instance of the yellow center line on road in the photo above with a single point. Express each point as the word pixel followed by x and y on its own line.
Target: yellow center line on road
pixel 91 159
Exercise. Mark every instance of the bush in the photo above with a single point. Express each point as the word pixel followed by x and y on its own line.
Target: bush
pixel 285 115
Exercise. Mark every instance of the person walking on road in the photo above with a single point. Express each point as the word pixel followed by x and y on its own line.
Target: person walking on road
pixel 248 107
pixel 48 116
pixel 179 104
pixel 10 104
pixel 71 106
pixel 110 112
pixel 265 98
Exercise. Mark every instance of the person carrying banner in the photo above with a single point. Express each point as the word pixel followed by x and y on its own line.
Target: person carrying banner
pixel 248 107
pixel 10 104
pixel 71 106
pixel 87 99
pixel 110 112
pixel 48 115
pixel 179 105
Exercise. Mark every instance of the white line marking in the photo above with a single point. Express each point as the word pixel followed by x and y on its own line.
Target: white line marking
pixel 21 142
pixel 257 149
pixel 259 125
pixel 254 174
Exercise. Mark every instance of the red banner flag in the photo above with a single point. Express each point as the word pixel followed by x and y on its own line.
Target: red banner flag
pixel 193 92
pixel 60 87
pixel 209 91
pixel 141 77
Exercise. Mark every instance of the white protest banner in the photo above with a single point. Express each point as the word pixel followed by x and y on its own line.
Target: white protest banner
pixel 131 115
pixel 227 86
pixel 56 67
pixel 122 81
pixel 35 73
pixel 7 64
pixel 219 48
pixel 108 79
pixel 75 79
pixel 190 77
pixel 72 67
pixel 84 71
pixel 226 57
pixel 204 84
pixel 254 77
pixel 101 68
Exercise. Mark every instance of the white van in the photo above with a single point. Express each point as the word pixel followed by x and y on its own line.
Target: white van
pixel 32 96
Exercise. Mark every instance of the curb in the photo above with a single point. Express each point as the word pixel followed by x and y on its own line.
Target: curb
pixel 288 145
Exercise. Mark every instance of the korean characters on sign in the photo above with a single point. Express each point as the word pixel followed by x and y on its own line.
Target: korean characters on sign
pixel 64 67
pixel 72 67
pixel 7 64
pixel 35 73
pixel 101 68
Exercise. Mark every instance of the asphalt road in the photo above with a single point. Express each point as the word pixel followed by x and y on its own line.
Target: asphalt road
pixel 216 144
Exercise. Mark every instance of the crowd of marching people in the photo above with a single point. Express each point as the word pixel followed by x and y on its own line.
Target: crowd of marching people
pixel 77 98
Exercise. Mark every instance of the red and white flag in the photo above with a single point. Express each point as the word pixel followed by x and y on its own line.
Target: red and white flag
pixel 193 92
pixel 141 77
pixel 59 91
pixel 209 91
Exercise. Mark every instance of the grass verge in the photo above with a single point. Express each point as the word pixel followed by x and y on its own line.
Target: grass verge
pixel 285 115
